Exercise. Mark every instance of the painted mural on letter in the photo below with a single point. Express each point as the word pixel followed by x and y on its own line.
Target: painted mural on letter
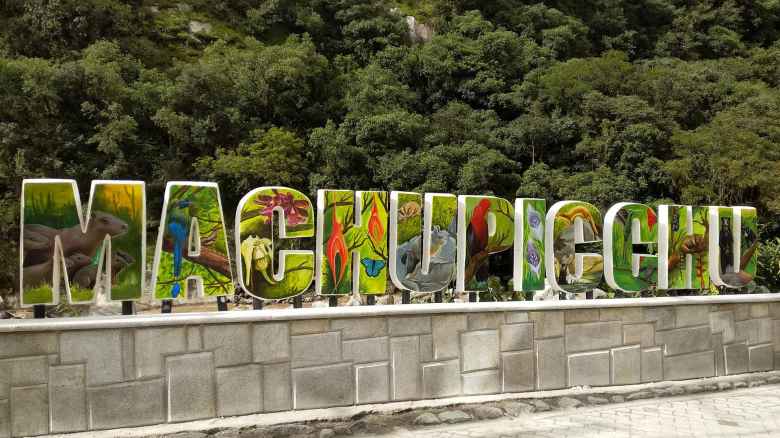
pixel 407 266
pixel 631 271
pixel 529 247
pixel 485 226
pixel 675 269
pixel 341 240
pixel 567 244
pixel 192 244
pixel 59 258
pixel 697 245
pixel 735 245
pixel 255 228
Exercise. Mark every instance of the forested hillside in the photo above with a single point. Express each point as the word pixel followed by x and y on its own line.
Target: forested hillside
pixel 600 101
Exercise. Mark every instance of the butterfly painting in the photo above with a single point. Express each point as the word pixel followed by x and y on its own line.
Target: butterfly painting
pixel 373 266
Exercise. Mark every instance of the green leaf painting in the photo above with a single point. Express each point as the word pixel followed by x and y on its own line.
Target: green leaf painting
pixel 676 242
pixel 698 245
pixel 627 270
pixel 341 240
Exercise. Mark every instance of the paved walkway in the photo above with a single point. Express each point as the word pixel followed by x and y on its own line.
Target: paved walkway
pixel 749 412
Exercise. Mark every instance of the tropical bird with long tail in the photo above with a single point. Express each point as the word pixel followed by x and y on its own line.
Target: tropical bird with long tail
pixel 178 230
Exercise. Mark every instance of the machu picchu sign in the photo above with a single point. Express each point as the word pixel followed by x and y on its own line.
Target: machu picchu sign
pixel 360 240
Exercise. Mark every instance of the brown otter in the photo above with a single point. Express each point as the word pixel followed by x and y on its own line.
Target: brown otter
pixel 87 276
pixel 41 273
pixel 39 239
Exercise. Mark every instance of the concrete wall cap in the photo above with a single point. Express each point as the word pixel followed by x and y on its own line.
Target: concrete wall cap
pixel 268 315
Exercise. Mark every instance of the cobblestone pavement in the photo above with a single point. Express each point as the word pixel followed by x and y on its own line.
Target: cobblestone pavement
pixel 749 412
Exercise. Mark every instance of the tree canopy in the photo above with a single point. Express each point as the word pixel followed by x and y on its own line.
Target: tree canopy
pixel 600 101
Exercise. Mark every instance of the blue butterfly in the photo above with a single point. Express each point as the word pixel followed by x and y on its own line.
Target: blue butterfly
pixel 373 267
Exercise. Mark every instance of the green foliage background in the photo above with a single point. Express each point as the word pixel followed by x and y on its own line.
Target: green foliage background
pixel 601 101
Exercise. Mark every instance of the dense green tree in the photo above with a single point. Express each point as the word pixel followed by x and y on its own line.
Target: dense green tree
pixel 603 101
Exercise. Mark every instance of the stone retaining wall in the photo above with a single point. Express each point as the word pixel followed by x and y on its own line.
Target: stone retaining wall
pixel 141 372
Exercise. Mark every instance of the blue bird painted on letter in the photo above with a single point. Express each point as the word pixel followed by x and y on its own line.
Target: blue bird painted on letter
pixel 178 230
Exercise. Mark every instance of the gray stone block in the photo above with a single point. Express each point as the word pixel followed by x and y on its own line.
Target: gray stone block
pixel 626 365
pixel 515 317
pixel 323 386
pixel 190 379
pixel 593 336
pixel 128 404
pixel 550 364
pixel 652 365
pixel 642 334
pixel 151 344
pixel 409 325
pixel 720 359
pixel 692 315
pixel 663 316
pixel 590 369
pixel 373 383
pixel 366 350
pixel 581 315
pixel 23 371
pixel 547 324
pixel 754 331
pixel 194 339
pixel 774 310
pixel 239 390
pixel 309 326
pixel 27 344
pixel 271 342
pixel 623 314
pixel 684 340
pixel 480 350
pixel 723 322
pixel 68 398
pixel 481 382
pixel 358 328
pixel 485 321
pixel 441 379
pixel 317 349
pixel 776 334
pixel 29 410
pixel 735 358
pixel 759 310
pixel 229 342
pixel 517 336
pixel 405 360
pixel 5 419
pixel 446 335
pixel 741 312
pixel 127 338
pixel 426 348
pixel 689 366
pixel 100 349
pixel 517 371
pixel 277 387
pixel 761 357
